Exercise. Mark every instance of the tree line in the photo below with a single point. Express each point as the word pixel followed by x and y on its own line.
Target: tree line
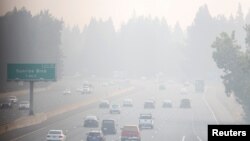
pixel 28 39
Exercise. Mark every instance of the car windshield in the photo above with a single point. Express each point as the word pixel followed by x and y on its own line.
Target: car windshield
pixel 94 134
pixel 146 117
pixel 55 132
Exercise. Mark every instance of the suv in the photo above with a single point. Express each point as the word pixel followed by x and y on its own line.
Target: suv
pixel 91 121
pixel 108 126
pixel 95 135
pixel 146 121
pixel 130 132
pixel 115 108
pixel 149 104
pixel 185 103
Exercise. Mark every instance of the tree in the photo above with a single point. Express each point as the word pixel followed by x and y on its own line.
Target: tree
pixel 236 67
pixel 29 39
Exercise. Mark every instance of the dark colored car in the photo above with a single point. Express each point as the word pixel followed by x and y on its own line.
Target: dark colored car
pixel 185 103
pixel 91 121
pixel 149 104
pixel 104 104
pixel 109 126
pixel 167 104
pixel 95 135
pixel 6 104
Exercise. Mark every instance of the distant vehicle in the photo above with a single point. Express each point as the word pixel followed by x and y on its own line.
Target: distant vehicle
pixel 104 104
pixel 115 108
pixel 185 103
pixel 162 87
pixel 13 99
pixel 199 86
pixel 24 105
pixel 146 121
pixel 67 91
pixel 80 90
pixel 56 135
pixel 95 135
pixel 109 126
pixel 184 91
pixel 127 103
pixel 149 104
pixel 131 133
pixel 87 88
pixel 7 104
pixel 167 104
pixel 91 121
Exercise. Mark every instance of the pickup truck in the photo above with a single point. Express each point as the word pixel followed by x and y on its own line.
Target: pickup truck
pixel 146 121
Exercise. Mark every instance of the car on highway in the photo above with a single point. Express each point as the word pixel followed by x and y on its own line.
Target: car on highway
pixel 56 135
pixel 162 87
pixel 24 105
pixel 104 104
pixel 115 108
pixel 6 104
pixel 91 121
pixel 130 133
pixel 184 91
pixel 108 126
pixel 95 135
pixel 87 88
pixel 67 91
pixel 167 104
pixel 146 121
pixel 185 103
pixel 149 104
pixel 127 102
pixel 13 99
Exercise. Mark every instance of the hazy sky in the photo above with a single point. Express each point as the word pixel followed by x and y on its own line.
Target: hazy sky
pixel 79 12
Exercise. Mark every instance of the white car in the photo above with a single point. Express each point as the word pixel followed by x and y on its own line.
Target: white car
pixel 146 121
pixel 24 105
pixel 56 135
pixel 184 91
pixel 67 91
pixel 13 99
pixel 115 108
pixel 127 103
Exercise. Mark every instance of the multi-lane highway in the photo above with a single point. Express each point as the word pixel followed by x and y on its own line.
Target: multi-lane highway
pixel 174 124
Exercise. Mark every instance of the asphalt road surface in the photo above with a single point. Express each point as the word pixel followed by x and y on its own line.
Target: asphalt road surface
pixel 174 124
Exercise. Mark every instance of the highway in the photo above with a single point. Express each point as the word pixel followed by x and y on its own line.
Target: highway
pixel 52 98
pixel 174 124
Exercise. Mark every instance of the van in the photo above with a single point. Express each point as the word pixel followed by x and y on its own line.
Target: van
pixel 108 126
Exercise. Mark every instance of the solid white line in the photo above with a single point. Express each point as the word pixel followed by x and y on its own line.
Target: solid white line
pixel 210 109
pixel 183 138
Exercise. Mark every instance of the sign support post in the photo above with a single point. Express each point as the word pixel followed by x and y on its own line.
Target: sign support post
pixel 31 73
pixel 31 112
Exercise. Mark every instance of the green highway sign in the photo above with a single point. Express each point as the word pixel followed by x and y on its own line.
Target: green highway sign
pixel 31 72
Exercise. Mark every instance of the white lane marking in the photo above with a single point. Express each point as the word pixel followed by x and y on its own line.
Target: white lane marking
pixel 199 138
pixel 40 129
pixel 183 138
pixel 210 109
